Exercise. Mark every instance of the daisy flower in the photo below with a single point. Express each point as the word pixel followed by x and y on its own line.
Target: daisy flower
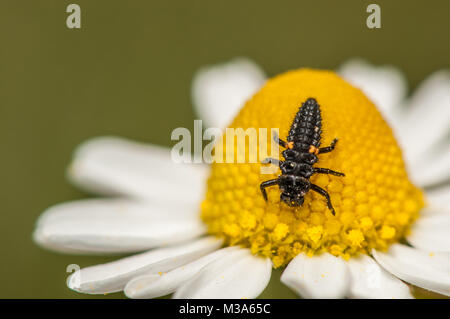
pixel 206 232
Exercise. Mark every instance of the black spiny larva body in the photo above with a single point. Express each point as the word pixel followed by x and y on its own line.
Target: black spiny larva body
pixel 301 153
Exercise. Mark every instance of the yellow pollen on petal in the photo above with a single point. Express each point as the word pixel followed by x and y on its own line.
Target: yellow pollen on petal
pixel 375 202
pixel 336 250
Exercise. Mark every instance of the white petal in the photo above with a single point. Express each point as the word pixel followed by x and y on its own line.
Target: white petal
pixel 112 277
pixel 237 274
pixel 152 286
pixel 219 91
pixel 424 269
pixel 115 225
pixel 385 86
pixel 432 210
pixel 111 165
pixel 440 197
pixel 370 281
pixel 427 119
pixel 432 167
pixel 431 232
pixel 323 276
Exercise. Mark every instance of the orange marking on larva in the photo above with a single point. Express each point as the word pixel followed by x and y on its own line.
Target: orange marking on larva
pixel 313 150
pixel 290 145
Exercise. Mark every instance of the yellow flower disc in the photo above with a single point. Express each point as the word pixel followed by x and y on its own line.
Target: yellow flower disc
pixel 375 202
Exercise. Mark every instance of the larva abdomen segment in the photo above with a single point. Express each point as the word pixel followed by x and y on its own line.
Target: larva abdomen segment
pixel 306 128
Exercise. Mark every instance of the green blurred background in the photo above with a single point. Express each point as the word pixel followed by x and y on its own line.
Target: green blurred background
pixel 128 72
